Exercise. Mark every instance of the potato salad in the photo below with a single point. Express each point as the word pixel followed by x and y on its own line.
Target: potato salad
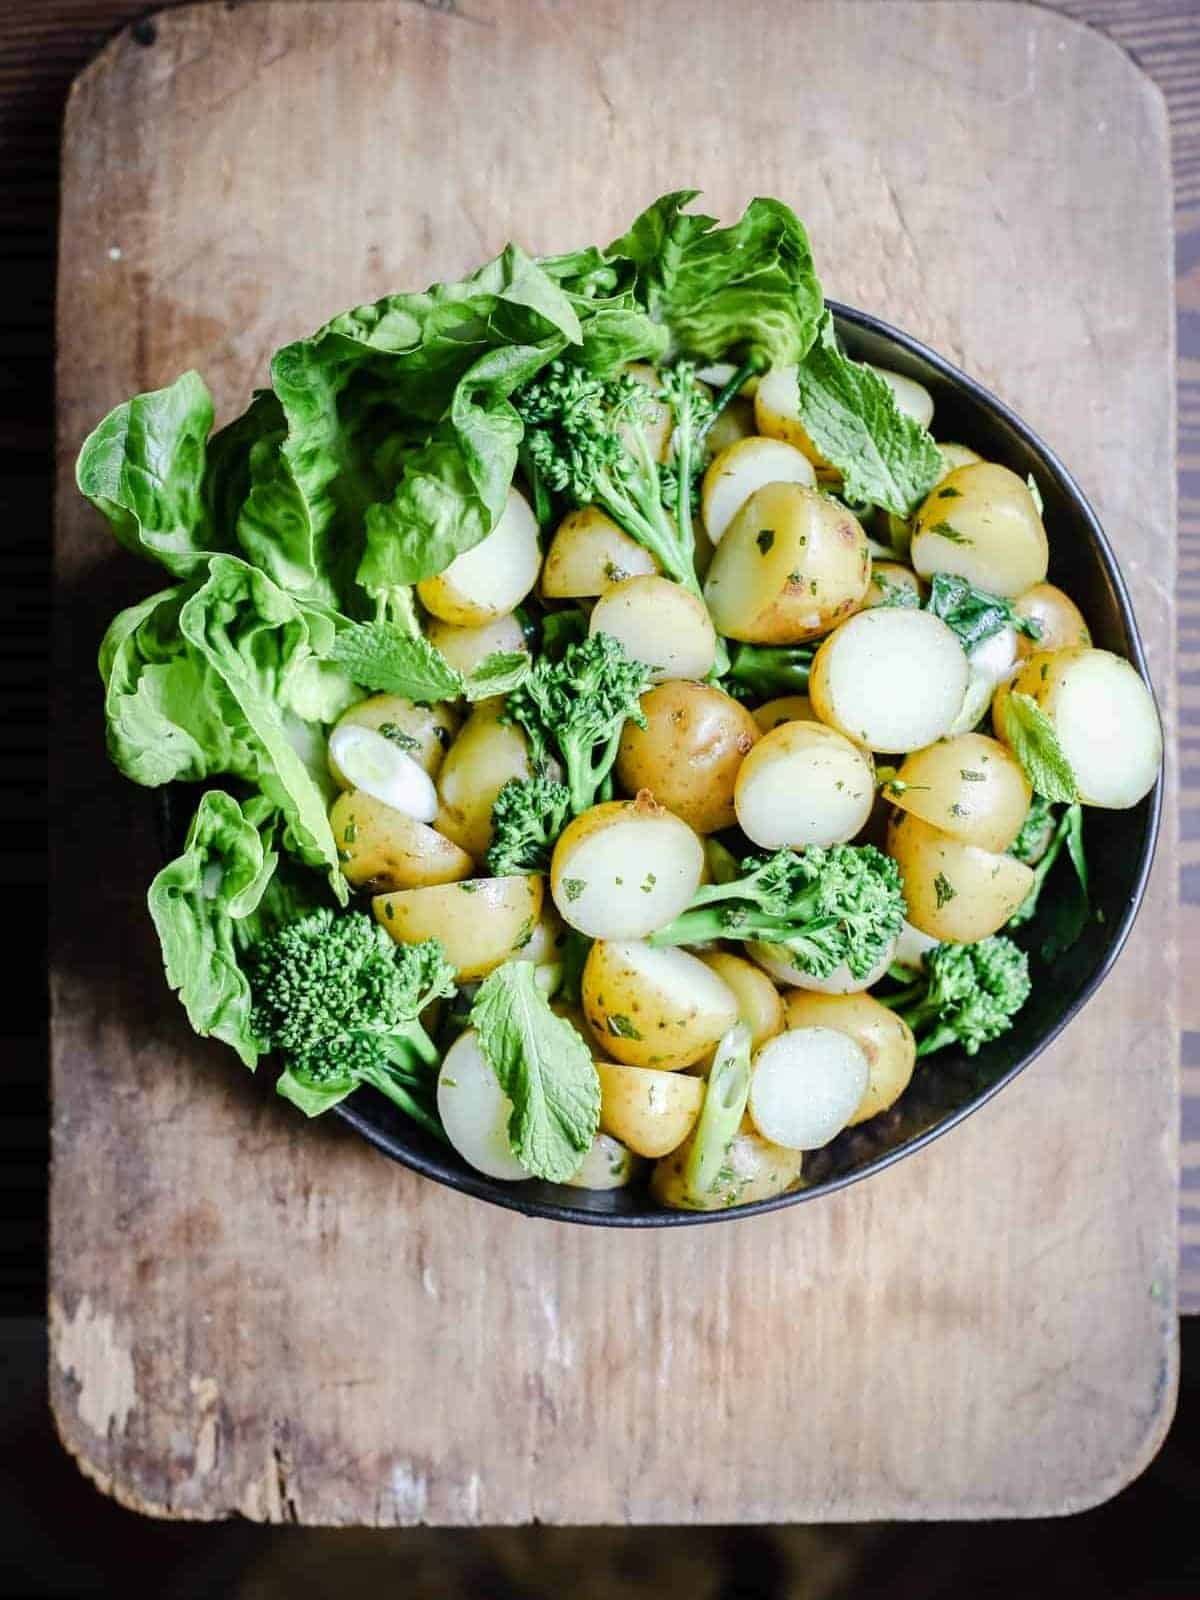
pixel 626 735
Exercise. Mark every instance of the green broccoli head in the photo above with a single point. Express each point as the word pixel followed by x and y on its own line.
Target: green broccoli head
pixel 527 818
pixel 968 996
pixel 577 707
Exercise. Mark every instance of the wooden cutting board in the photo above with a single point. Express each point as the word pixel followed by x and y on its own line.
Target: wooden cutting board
pixel 251 1315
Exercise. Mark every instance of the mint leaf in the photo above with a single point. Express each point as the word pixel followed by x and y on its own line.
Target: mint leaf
pixel 1030 736
pixel 974 614
pixel 385 659
pixel 499 673
pixel 851 416
pixel 544 1068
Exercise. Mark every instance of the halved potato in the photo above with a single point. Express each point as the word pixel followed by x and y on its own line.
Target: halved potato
pixel 789 566
pixel 1059 618
pixel 475 1111
pixel 588 554
pixel 981 523
pixel 423 732
pixel 754 1169
pixel 654 1008
pixel 480 922
pixel 971 787
pixel 465 648
pixel 890 679
pixel 689 752
pixel 609 1164
pixel 955 892
pixel 777 415
pixel 650 1111
pixel 885 1039
pixel 493 577
pixel 381 849
pixel 660 623
pixel 624 869
pixel 485 756
pixel 735 422
pixel 758 1000
pixel 741 469
pixel 787 708
pixel 1103 716
pixel 913 399
pixel 803 784
pixel 806 1085
pixel 782 965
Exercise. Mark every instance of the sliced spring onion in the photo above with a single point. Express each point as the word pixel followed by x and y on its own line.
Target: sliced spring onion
pixel 384 771
pixel 721 1114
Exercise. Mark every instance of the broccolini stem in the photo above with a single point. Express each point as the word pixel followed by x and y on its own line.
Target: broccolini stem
pixel 771 670
pixel 391 1085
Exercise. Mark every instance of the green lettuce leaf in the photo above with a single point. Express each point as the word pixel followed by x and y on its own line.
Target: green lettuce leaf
pixel 850 414
pixel 143 467
pixel 197 901
pixel 747 292
pixel 544 1068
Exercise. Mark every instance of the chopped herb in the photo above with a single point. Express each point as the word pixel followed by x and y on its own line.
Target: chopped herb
pixel 574 887
pixel 968 776
pixel 619 880
pixel 812 588
pixel 952 534
pixel 388 910
pixel 959 811
pixel 765 540
pixel 449 1083
pixel 794 577
pixel 524 934
pixel 620 1026
pixel 944 890
pixel 470 886
pixel 343 855
pixel 397 736
pixel 949 493
pixel 350 832
pixel 649 883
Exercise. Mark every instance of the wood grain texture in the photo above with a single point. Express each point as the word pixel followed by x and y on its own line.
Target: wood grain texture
pixel 293 1328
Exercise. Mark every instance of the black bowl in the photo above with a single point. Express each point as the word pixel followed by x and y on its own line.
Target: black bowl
pixel 1120 843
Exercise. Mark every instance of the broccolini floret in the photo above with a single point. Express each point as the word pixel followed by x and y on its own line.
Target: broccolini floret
pixel 527 818
pixel 576 708
pixel 967 995
pixel 339 1002
pixel 818 907
pixel 585 438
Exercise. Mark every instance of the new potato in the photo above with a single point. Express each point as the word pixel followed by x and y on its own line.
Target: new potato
pixel 466 648
pixel 493 577
pixel 650 1111
pixel 659 623
pixel 380 848
pixel 884 1038
pixel 890 679
pixel 955 892
pixel 981 523
pixel 485 755
pixel 655 1008
pixel 624 868
pixel 753 1169
pixel 1059 618
pixel 480 922
pixel 759 1003
pixel 971 787
pixel 803 784
pixel 588 554
pixel 689 752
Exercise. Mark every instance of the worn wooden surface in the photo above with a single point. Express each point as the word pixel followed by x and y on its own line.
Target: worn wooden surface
pixel 253 1316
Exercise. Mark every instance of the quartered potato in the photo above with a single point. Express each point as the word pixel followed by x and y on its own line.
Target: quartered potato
pixel 758 1000
pixel 493 578
pixel 649 1111
pixel 741 469
pixel 1103 716
pixel 624 869
pixel 480 922
pixel 956 892
pixel 655 1008
pixel 688 754
pixel 788 708
pixel 588 554
pixel 890 679
pixel 466 648
pixel 1059 618
pixel 884 1038
pixel 802 784
pixel 380 848
pixel 790 565
pixel 660 623
pixel 972 788
pixel 486 754
pixel 422 732
pixel 982 524
pixel 754 1169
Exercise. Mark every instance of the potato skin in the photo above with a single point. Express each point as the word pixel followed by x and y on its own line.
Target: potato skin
pixel 754 1169
pixel 787 708
pixel 689 752
pixel 649 1111
pixel 955 892
pixel 659 623
pixel 971 787
pixel 643 1026
pixel 1061 620
pixel 588 554
pixel 423 732
pixel 465 648
pixel 493 577
pixel 792 563
pixel 777 416
pixel 381 848
pixel 480 922
pixel 997 540
pixel 886 1040
pixel 486 754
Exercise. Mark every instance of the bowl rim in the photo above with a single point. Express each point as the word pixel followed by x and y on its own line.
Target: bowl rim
pixel 510 1197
